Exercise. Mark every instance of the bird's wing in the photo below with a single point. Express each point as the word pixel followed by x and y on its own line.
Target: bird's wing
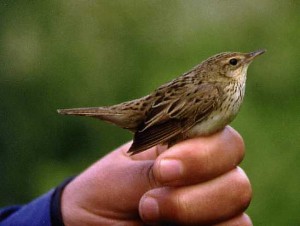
pixel 174 112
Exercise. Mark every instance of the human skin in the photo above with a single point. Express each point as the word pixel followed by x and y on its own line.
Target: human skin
pixel 195 182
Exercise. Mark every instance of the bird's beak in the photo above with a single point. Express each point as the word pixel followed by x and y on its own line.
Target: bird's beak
pixel 252 55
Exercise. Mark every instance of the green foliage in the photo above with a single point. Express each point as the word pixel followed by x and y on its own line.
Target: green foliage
pixel 59 54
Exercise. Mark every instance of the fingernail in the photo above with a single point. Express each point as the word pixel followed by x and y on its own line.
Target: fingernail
pixel 170 170
pixel 149 209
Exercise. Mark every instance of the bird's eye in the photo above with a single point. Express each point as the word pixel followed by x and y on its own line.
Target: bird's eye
pixel 233 61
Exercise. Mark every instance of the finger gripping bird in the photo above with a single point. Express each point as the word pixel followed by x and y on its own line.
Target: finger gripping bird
pixel 200 102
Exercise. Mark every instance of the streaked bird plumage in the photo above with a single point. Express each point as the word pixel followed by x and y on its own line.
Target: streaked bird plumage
pixel 198 103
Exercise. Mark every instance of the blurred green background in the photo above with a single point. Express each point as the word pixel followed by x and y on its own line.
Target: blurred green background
pixel 59 54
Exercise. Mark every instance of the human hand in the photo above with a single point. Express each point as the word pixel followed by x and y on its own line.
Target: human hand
pixel 195 182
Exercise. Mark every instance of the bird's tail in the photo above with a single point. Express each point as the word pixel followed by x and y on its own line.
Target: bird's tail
pixel 112 114
pixel 90 111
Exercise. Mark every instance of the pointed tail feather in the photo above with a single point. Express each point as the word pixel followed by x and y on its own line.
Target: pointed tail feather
pixel 93 111
pixel 119 118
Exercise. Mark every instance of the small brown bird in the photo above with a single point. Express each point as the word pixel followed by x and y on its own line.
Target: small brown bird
pixel 198 103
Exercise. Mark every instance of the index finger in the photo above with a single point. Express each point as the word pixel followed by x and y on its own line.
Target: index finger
pixel 199 159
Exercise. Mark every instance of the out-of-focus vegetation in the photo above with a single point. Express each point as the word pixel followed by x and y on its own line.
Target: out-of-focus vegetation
pixel 56 54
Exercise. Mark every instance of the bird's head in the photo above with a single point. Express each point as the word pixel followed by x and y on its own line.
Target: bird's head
pixel 229 65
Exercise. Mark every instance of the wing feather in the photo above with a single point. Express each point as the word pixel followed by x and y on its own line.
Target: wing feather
pixel 154 135
pixel 174 114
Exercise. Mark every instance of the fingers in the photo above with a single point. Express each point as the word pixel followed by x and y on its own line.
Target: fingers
pixel 212 189
pixel 199 159
pixel 211 202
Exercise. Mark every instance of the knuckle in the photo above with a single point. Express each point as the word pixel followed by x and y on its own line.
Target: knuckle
pixel 246 221
pixel 243 188
pixel 240 220
pixel 180 207
pixel 237 143
pixel 152 181
pixel 240 146
pixel 183 212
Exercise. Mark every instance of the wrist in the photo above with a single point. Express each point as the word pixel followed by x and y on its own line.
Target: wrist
pixel 74 212
pixel 55 206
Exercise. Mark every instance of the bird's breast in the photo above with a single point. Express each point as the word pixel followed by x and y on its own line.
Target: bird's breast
pixel 222 115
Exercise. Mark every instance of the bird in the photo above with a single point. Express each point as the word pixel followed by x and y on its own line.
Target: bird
pixel 200 102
